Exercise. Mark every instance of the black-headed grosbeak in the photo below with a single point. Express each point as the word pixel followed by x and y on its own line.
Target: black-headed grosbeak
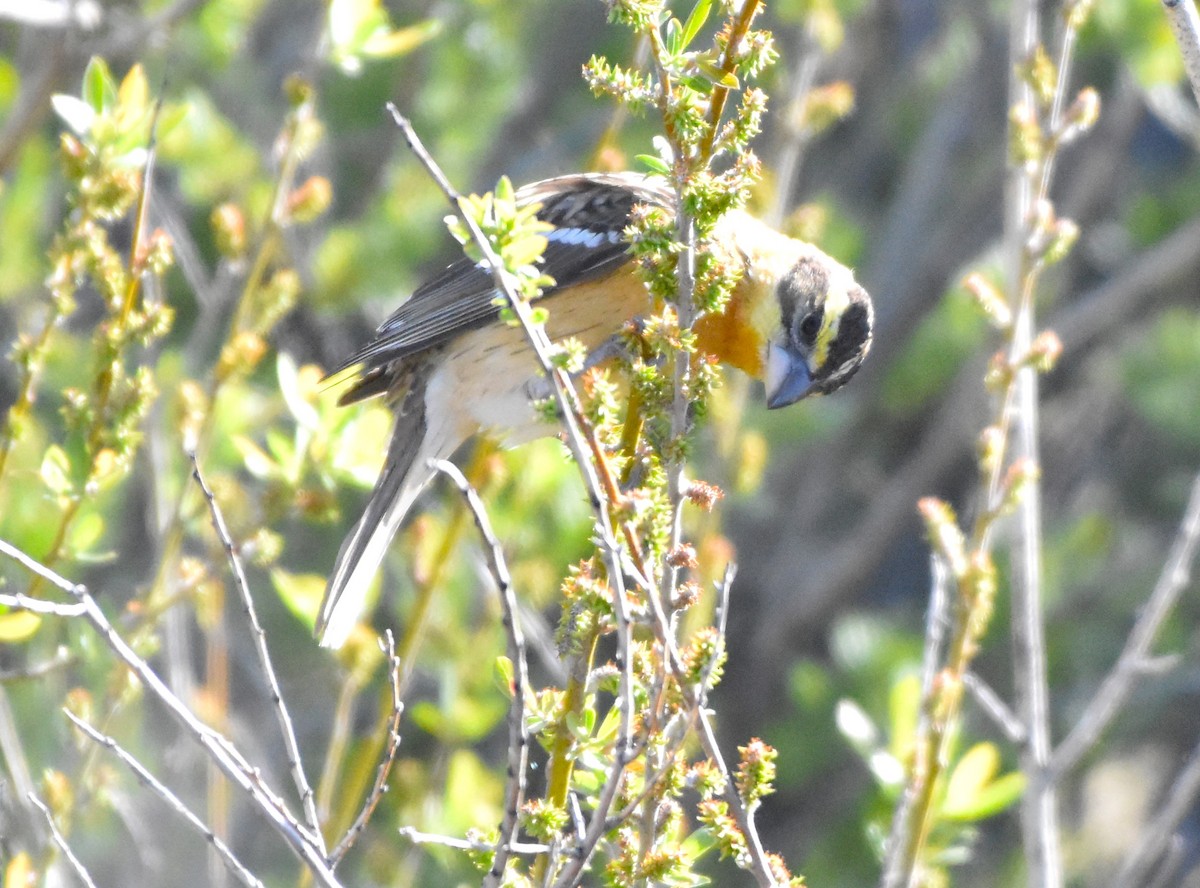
pixel 450 368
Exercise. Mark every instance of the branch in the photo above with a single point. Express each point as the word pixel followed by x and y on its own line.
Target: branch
pixel 1185 25
pixel 1185 788
pixel 290 745
pixel 1119 684
pixel 61 841
pixel 388 645
pixel 422 838
pixel 518 742
pixel 222 752
pixel 152 783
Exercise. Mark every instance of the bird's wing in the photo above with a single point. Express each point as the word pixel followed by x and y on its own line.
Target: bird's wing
pixel 589 214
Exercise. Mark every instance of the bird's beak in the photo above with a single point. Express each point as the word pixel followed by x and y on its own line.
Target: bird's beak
pixel 788 378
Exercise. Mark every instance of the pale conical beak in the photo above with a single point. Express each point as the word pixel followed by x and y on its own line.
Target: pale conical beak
pixel 788 378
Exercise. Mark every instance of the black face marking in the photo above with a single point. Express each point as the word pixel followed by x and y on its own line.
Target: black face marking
pixel 850 346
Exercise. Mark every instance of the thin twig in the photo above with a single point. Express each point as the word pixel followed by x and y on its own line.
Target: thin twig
pixel 1185 25
pixel 1119 684
pixel 62 657
pixel 722 620
pixel 389 756
pixel 518 741
pixel 1028 188
pixel 21 601
pixel 222 752
pixel 422 838
pixel 61 841
pixel 235 866
pixel 995 708
pixel 1181 798
pixel 290 745
pixel 898 865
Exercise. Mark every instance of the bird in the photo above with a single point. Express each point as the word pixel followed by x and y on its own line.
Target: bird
pixel 450 367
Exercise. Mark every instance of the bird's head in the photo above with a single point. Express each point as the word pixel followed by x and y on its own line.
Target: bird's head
pixel 797 319
pixel 822 332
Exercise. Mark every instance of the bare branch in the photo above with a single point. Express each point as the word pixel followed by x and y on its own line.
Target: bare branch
pixel 903 833
pixel 21 601
pixel 1119 684
pixel 518 742
pixel 235 866
pixel 422 838
pixel 1155 838
pixel 1185 25
pixel 290 745
pixel 388 644
pixel 994 707
pixel 222 752
pixel 61 841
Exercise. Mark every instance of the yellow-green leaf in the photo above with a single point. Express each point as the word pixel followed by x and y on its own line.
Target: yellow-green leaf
pixel 18 626
pixel 302 593
pixel 973 772
pixel 56 471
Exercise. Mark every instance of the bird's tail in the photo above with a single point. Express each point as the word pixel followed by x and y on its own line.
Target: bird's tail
pixel 405 474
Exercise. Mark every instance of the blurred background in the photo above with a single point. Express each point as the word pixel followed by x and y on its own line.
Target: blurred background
pixel 901 177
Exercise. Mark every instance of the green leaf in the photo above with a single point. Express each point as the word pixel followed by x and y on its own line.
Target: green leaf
pixel 99 88
pixel 904 708
pixel 973 772
pixel 653 164
pixel 301 593
pixel 86 532
pixel 256 460
pixel 990 799
pixel 388 43
pixel 674 37
pixel 18 626
pixel 696 20
pixel 288 373
pixel 525 251
pixel 56 471
pixel 716 76
pixel 505 675
pixel 698 843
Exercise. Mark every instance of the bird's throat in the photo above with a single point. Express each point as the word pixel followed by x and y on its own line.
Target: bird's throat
pixel 738 336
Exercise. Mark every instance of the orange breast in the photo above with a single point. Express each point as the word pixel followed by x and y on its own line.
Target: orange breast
pixel 732 336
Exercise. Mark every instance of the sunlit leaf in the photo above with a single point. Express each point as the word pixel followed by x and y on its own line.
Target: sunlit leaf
pixel 301 593
pixel 134 92
pixel 99 88
pixel 856 726
pixel 256 460
pixel 999 795
pixel 398 42
pixel 56 471
pixel 75 113
pixel 18 626
pixel 973 771
pixel 653 164
pixel 696 20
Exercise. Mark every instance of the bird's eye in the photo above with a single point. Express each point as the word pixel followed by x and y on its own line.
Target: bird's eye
pixel 810 325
